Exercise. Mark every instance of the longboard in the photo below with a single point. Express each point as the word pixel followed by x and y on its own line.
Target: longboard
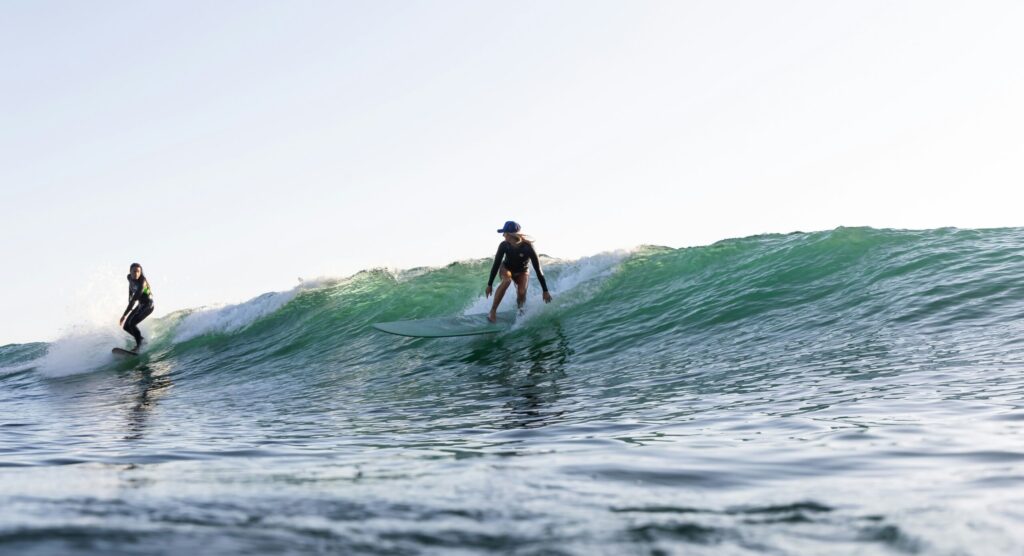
pixel 444 327
pixel 119 351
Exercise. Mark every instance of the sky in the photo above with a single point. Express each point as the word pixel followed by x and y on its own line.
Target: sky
pixel 232 147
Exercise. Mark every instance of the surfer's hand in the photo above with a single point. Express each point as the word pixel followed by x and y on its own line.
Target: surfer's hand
pixel 489 290
pixel 121 322
pixel 547 297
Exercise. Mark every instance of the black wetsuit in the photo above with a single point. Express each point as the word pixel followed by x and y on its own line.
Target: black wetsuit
pixel 516 259
pixel 137 291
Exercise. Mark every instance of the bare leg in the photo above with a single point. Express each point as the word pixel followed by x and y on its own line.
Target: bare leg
pixel 522 281
pixel 506 279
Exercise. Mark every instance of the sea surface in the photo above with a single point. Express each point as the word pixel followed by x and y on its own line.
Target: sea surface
pixel 854 391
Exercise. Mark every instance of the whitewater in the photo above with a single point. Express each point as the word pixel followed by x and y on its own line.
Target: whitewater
pixel 852 391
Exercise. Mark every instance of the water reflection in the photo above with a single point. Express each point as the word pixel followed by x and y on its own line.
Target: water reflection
pixel 537 394
pixel 153 382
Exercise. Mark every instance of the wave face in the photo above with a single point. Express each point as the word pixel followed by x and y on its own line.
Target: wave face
pixel 850 391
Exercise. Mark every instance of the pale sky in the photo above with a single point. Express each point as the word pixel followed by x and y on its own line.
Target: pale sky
pixel 231 147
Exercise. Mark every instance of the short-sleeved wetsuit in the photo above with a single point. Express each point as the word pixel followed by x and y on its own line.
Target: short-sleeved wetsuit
pixel 138 290
pixel 516 259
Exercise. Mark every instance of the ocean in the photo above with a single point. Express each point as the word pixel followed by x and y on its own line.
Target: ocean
pixel 853 391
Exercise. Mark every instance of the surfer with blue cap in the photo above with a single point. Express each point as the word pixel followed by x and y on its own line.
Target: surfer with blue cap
pixel 514 256
pixel 138 292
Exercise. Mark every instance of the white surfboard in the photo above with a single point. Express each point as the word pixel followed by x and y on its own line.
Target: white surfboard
pixel 443 327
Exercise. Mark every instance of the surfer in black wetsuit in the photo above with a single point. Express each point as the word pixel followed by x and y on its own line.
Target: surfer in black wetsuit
pixel 514 257
pixel 138 291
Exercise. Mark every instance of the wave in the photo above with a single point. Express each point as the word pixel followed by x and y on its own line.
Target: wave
pixel 777 291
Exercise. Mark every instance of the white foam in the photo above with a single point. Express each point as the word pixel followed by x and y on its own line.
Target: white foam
pixel 227 319
pixel 85 348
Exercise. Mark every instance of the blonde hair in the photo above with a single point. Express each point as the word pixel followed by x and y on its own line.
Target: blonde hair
pixel 521 238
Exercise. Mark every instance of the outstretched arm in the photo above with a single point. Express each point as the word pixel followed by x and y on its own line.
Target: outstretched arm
pixel 540 275
pixel 497 262
pixel 132 298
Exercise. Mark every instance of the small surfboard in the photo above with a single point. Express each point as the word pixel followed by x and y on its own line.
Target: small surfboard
pixel 444 327
pixel 119 351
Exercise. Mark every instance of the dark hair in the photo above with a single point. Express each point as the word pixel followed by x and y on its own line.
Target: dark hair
pixel 142 273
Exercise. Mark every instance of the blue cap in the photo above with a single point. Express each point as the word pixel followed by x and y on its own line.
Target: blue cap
pixel 510 228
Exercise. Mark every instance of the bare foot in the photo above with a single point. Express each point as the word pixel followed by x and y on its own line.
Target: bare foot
pixel 492 316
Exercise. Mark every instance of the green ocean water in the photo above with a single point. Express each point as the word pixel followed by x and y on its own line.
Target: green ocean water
pixel 854 391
